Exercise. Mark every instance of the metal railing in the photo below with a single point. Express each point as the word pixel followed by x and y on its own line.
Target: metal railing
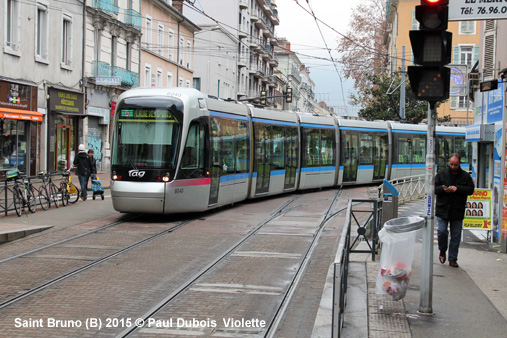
pixel 410 188
pixel 346 247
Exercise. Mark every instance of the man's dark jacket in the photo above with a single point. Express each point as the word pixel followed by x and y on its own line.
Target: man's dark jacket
pixel 451 206
pixel 82 162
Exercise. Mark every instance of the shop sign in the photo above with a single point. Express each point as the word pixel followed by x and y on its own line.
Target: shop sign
pixel 101 112
pixel 478 210
pixel 65 101
pixel 18 96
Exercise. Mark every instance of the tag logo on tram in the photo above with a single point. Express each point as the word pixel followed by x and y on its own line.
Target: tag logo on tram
pixel 136 173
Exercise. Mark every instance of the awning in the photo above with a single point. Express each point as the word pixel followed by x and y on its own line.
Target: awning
pixel 19 114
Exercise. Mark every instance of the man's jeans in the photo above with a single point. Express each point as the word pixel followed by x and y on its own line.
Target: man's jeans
pixel 82 181
pixel 443 235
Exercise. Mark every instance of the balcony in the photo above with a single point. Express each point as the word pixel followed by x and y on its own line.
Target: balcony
pixel 100 68
pixel 261 24
pixel 243 4
pixel 243 31
pixel 133 18
pixel 275 18
pixel 128 78
pixel 254 44
pixel 242 61
pixel 242 90
pixel 107 6
pixel 254 17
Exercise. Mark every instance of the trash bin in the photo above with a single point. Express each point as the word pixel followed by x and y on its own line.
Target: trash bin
pixel 398 240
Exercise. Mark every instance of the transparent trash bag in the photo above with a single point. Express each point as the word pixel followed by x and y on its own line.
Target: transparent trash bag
pixel 395 262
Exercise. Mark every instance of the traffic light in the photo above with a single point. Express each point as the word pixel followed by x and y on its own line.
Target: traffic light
pixel 288 95
pixel 263 97
pixel 431 48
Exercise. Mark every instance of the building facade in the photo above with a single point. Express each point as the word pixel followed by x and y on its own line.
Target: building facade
pixel 41 83
pixel 253 27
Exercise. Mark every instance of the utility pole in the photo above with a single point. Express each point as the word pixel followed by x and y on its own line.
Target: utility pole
pixel 402 89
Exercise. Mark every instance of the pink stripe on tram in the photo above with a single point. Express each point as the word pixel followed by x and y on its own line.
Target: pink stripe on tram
pixel 186 183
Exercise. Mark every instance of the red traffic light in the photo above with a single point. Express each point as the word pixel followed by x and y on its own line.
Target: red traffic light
pixel 434 2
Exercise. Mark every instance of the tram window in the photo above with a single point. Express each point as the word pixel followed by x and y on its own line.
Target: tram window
pixel 242 147
pixel 404 150
pixel 418 149
pixel 278 148
pixel 228 144
pixel 328 146
pixel 311 153
pixel 193 159
pixel 461 147
pixel 443 151
pixel 366 146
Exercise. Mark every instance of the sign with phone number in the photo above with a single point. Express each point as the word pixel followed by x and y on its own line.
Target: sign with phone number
pixel 460 10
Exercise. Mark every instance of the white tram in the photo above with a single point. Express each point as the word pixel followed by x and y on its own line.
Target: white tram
pixel 175 150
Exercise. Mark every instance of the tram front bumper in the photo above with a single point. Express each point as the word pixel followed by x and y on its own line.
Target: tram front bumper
pixel 138 197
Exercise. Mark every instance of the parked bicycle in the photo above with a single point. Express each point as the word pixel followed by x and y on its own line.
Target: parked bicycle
pixel 70 193
pixel 51 190
pixel 22 194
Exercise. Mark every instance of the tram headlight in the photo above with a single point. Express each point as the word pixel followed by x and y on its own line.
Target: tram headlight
pixel 115 177
pixel 166 177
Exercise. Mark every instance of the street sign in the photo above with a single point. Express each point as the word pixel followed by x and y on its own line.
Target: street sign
pixel 458 84
pixel 461 10
pixel 108 80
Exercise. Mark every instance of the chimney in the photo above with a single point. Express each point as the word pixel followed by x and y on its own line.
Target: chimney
pixel 178 5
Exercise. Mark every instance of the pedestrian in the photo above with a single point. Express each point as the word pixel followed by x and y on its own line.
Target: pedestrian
pixel 82 162
pixel 452 186
pixel 93 165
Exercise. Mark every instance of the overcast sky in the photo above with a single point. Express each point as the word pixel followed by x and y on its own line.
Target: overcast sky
pixel 302 31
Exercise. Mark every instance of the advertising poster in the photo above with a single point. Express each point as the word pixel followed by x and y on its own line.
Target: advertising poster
pixel 478 210
pixel 504 181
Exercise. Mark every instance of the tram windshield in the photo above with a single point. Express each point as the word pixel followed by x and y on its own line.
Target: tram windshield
pixel 146 137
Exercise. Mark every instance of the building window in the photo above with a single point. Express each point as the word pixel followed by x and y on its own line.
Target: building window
pixel 169 79
pixel 197 83
pixel 181 49
pixel 189 53
pixel 160 40
pixel 467 27
pixel 96 44
pixel 188 84
pixel 466 54
pixel 170 45
pixel 148 32
pixel 180 82
pixel 12 26
pixel 159 77
pixel 41 34
pixel 147 75
pixel 67 41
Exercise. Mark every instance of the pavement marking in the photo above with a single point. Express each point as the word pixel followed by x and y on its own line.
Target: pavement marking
pixel 81 258
pixel 238 288
pixel 262 254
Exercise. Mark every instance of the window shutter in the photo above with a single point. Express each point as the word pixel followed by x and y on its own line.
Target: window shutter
pixel 475 56
pixel 489 55
pixel 454 102
pixel 415 23
pixel 455 55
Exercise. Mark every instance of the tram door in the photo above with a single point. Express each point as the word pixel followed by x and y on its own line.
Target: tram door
pixel 350 155
pixel 215 162
pixel 380 157
pixel 263 146
pixel 291 157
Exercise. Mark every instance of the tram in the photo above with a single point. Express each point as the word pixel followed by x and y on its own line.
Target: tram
pixel 176 150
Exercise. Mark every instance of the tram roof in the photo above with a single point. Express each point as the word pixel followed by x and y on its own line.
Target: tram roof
pixel 277 115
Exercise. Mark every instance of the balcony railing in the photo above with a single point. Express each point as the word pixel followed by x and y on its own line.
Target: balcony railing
pixel 107 6
pixel 101 68
pixel 128 78
pixel 133 18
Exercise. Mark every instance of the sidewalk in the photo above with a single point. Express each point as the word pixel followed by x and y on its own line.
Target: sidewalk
pixel 469 301
pixel 15 229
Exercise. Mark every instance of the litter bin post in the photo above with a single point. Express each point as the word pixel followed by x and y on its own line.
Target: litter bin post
pixel 390 202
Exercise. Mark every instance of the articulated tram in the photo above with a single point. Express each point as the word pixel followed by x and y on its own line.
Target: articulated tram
pixel 176 150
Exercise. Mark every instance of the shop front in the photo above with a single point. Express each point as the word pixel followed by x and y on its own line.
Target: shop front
pixel 65 127
pixel 20 127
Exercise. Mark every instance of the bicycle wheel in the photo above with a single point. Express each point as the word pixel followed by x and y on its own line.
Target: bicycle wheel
pixel 17 200
pixel 73 193
pixel 65 194
pixel 44 200
pixel 31 202
pixel 53 192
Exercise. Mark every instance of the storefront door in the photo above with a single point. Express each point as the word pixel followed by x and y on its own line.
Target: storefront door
pixel 62 147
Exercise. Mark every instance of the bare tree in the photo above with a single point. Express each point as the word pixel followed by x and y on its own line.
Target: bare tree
pixel 362 50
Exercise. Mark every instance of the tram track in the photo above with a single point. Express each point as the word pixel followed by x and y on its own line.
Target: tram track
pixel 272 327
pixel 53 281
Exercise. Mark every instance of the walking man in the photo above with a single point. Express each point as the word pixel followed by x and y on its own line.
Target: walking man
pixel 82 162
pixel 452 186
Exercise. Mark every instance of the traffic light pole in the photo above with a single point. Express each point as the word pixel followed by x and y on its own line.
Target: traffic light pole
pixel 426 293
